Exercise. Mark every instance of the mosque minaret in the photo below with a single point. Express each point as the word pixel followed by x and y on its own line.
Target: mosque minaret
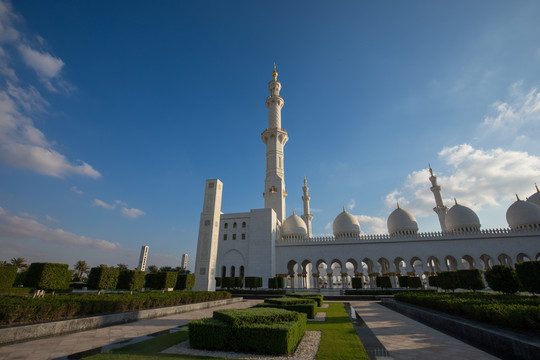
pixel 264 243
pixel 440 209
pixel 307 217
pixel 275 138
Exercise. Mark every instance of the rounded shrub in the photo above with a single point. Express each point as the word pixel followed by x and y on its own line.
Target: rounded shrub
pixel 502 278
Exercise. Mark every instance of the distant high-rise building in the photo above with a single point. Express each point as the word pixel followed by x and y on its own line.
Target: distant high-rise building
pixel 183 265
pixel 142 258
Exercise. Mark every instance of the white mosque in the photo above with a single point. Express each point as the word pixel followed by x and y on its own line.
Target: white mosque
pixel 261 242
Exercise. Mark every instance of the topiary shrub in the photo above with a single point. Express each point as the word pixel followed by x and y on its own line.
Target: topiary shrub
pixel 131 280
pixel 448 280
pixel 8 274
pixel 502 278
pixel 185 281
pixel 48 276
pixel 403 281
pixel 357 282
pixel 103 278
pixel 470 279
pixel 383 282
pixel 218 282
pixel 528 274
pixel 164 280
pixel 227 282
pixel 414 282
pixel 433 281
pixel 317 297
pixel 276 283
pixel 238 282
pixel 253 282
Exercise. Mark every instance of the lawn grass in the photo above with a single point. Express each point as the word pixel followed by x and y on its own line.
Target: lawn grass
pixel 339 341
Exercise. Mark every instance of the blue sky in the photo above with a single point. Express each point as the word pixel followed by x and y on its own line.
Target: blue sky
pixel 113 114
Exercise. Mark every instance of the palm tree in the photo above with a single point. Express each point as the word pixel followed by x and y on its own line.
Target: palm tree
pixel 81 267
pixel 19 262
pixel 3 263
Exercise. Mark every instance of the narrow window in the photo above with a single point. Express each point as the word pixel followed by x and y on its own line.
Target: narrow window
pixel 234 225
pixel 243 236
pixel 234 236
pixel 224 236
pixel 226 226
pixel 244 225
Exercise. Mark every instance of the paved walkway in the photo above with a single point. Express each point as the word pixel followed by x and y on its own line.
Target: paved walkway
pixel 407 339
pixel 59 346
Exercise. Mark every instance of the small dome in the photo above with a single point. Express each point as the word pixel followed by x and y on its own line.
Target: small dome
pixel 535 198
pixel 294 226
pixel 523 214
pixel 346 224
pixel 401 222
pixel 461 218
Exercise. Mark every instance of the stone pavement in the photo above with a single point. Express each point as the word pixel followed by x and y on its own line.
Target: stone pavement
pixel 59 346
pixel 407 339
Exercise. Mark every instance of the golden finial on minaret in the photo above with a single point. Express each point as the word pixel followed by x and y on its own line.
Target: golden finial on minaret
pixel 430 169
pixel 274 73
pixel 305 181
pixel 517 197
pixel 398 205
pixel 343 208
pixel 455 201
pixel 536 187
pixel 293 212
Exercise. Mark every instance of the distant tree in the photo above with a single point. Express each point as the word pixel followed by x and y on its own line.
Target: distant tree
pixel 4 263
pixel 20 263
pixel 166 269
pixel 122 267
pixel 81 267
pixel 153 269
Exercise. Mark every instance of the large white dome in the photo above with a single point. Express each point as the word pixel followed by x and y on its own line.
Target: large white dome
pixel 461 218
pixel 294 226
pixel 401 222
pixel 346 224
pixel 523 214
pixel 535 198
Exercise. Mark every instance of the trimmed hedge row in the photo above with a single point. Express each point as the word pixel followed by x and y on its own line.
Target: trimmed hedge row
pixel 529 275
pixel 383 282
pixel 376 292
pixel 48 276
pixel 253 282
pixel 298 304
pixel 267 331
pixel 8 274
pixel 257 292
pixel 17 309
pixel 357 282
pixel 412 282
pixel 317 297
pixel 276 283
pixel 131 280
pixel 519 312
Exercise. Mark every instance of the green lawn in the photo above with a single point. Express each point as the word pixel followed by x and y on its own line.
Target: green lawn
pixel 339 341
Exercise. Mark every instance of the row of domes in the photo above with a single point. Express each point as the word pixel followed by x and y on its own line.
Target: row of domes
pixel 521 214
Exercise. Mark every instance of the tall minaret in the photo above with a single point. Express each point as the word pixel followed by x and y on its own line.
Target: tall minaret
pixel 275 138
pixel 440 209
pixel 307 217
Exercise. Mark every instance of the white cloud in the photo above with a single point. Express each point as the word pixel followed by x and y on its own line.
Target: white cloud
pixel 24 146
pixel 15 227
pixel 51 219
pixel 27 215
pixel 120 202
pixel 132 212
pixel 351 204
pixel 2 211
pixel 7 32
pixel 329 226
pixel 77 190
pixel 44 64
pixel 103 204
pixel 372 224
pixel 477 178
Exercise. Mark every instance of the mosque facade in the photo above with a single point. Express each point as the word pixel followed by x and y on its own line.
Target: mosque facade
pixel 263 243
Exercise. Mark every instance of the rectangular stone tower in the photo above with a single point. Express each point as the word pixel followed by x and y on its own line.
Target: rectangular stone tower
pixel 207 245
pixel 142 258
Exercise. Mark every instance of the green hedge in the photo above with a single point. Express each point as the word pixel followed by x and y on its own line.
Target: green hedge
pixel 103 278
pixel 470 279
pixel 403 281
pixel 520 312
pixel 433 281
pixel 415 282
pixel 298 304
pixel 238 282
pixel 502 278
pixel 377 292
pixel 528 274
pixel 257 292
pixel 309 309
pixel 276 283
pixel 161 280
pixel 357 282
pixel 264 332
pixel 218 282
pixel 131 280
pixel 383 282
pixel 17 309
pixel 253 282
pixel 227 282
pixel 48 276
pixel 8 274
pixel 185 281
pixel 317 297
pixel 448 280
